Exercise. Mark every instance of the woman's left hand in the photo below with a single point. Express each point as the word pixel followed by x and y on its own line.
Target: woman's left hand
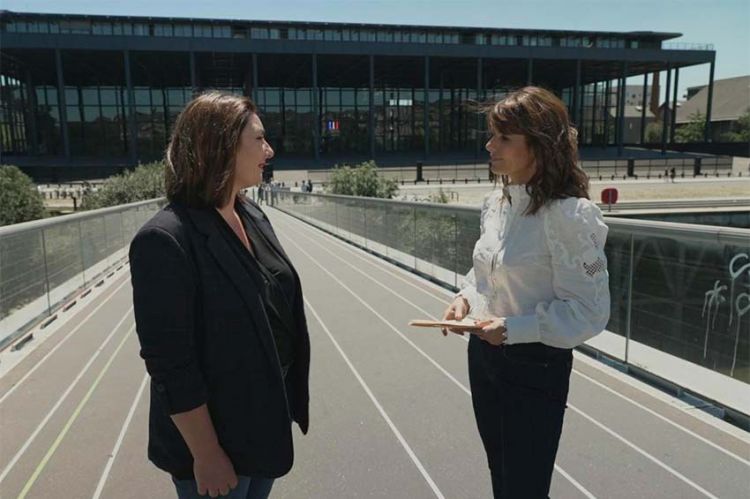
pixel 492 331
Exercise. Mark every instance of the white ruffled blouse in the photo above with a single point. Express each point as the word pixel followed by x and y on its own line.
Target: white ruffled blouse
pixel 545 274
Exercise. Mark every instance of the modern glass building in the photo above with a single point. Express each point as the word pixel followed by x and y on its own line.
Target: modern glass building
pixel 99 92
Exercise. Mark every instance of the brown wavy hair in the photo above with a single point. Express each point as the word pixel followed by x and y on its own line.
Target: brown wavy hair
pixel 542 118
pixel 201 154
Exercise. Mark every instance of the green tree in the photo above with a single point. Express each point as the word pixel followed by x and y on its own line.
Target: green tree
pixel 145 182
pixel 362 180
pixel 653 132
pixel 20 201
pixel 741 130
pixel 693 131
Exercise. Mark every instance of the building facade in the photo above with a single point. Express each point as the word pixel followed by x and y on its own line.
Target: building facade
pixel 729 102
pixel 103 92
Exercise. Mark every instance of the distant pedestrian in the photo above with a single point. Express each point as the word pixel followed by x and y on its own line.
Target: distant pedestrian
pixel 672 174
pixel 309 186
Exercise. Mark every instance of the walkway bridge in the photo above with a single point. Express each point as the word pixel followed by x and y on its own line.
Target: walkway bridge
pixel 390 405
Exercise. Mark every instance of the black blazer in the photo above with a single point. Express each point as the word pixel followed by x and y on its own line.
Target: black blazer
pixel 206 339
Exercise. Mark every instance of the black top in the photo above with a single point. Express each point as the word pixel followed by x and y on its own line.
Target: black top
pixel 272 275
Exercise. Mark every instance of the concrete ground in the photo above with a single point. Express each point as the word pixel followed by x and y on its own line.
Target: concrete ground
pixel 390 407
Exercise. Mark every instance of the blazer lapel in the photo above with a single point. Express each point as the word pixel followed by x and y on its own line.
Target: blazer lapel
pixel 265 227
pixel 236 273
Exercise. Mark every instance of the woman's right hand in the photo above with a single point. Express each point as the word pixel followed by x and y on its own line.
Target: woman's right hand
pixel 456 311
pixel 214 473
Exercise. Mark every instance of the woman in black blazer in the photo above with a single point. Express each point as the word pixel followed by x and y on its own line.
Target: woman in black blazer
pixel 219 312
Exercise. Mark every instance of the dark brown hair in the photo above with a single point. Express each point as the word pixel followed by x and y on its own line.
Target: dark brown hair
pixel 542 118
pixel 201 153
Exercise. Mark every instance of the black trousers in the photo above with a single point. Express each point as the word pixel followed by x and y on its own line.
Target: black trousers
pixel 519 394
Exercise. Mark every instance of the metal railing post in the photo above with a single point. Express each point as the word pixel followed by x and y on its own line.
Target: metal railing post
pixel 364 216
pixel 414 232
pixel 336 215
pixel 455 250
pixel 83 262
pixel 46 272
pixel 629 309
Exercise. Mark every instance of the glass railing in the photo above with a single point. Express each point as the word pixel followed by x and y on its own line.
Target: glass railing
pixel 677 288
pixel 44 262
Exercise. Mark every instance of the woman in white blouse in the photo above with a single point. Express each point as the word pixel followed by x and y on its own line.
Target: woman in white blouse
pixel 538 287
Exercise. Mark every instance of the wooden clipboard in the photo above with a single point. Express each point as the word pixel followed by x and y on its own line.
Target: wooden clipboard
pixel 464 325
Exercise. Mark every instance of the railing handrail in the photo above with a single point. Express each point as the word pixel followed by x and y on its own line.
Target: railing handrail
pixel 728 235
pixel 438 206
pixel 73 217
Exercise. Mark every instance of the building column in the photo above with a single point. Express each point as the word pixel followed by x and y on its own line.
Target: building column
pixel 371 114
pixel 709 104
pixel 594 104
pixel 665 114
pixel 62 107
pixel 621 109
pixel 247 82
pixel 529 71
pixel 316 108
pixel 31 113
pixel 132 125
pixel 643 109
pixel 480 98
pixel 426 106
pixel 674 105
pixel 607 97
pixel 582 114
pixel 576 95
pixel 440 121
pixel 193 74
pixel 255 79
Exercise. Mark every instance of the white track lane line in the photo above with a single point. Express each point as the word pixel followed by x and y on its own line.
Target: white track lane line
pixel 379 407
pixel 67 336
pixel 414 346
pixel 62 398
pixel 665 419
pixel 382 266
pixel 76 412
pixel 665 398
pixel 120 438
pixel 644 453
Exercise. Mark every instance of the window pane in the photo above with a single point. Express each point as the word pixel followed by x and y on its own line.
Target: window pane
pixel 142 96
pixel 71 95
pixel 90 113
pixel 157 97
pixel 90 96
pixel 222 32
pixel 259 33
pixel 163 30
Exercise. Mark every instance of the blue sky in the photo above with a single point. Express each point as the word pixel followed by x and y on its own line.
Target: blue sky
pixel 723 23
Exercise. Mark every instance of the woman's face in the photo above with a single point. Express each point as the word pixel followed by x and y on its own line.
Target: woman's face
pixel 252 154
pixel 510 155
